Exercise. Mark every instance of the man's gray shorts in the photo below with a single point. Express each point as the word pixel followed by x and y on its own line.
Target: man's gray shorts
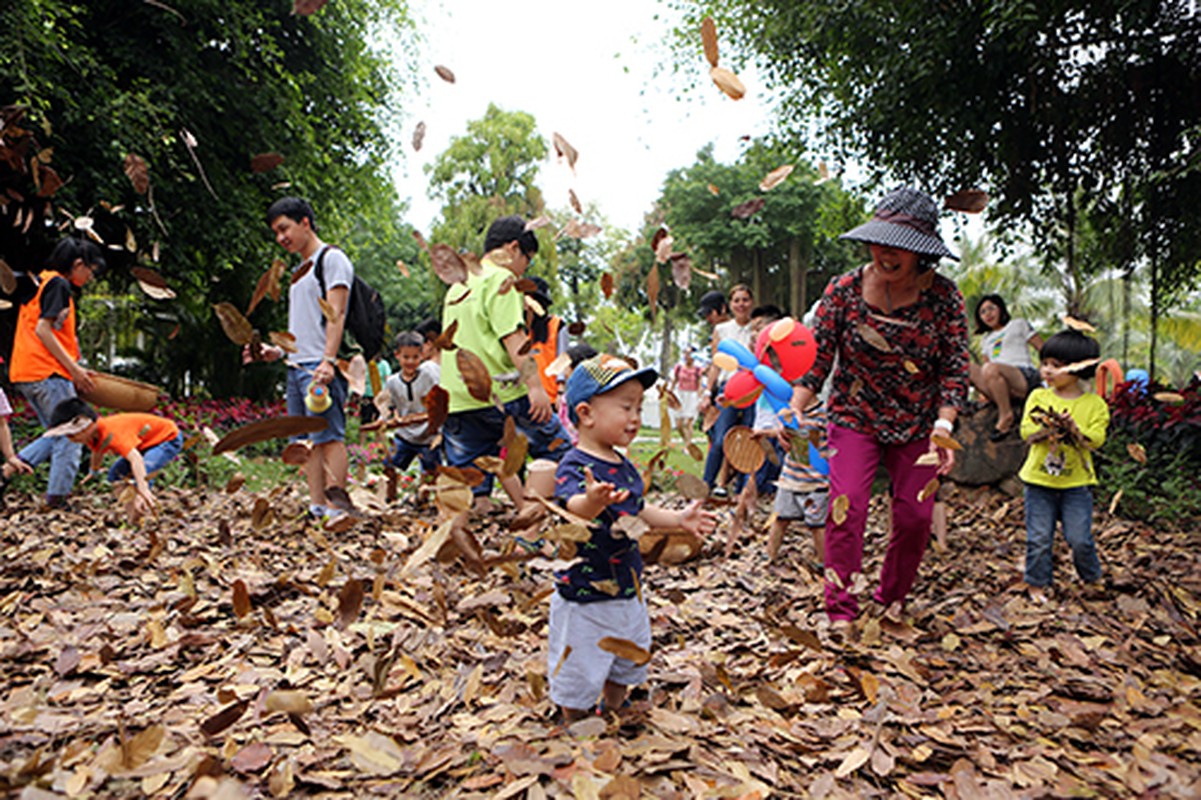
pixel 577 680
pixel 808 506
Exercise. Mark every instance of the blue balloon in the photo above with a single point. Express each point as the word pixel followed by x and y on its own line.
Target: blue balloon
pixel 1138 377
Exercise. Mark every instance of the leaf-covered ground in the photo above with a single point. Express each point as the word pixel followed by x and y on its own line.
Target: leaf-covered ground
pixel 128 670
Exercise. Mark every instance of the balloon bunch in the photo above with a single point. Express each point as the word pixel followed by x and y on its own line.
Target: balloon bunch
pixel 787 343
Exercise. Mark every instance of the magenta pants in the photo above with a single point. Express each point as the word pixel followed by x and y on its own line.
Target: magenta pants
pixel 853 462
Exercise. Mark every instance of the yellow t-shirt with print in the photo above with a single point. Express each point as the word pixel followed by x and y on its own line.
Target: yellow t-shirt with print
pixel 1067 466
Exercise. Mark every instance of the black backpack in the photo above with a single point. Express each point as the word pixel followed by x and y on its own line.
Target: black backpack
pixel 366 317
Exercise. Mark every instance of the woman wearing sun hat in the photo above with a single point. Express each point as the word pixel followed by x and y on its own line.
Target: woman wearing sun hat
pixel 895 334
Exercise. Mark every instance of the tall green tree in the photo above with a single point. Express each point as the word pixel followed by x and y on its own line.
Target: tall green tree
pixel 489 172
pixel 1048 105
pixel 196 89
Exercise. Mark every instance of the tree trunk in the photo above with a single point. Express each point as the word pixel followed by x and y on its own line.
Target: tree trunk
pixel 1154 309
pixel 665 359
pixel 796 279
pixel 756 275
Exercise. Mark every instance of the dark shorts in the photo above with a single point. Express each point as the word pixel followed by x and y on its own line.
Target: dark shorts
pixel 368 413
pixel 406 451
pixel 1033 379
pixel 468 435
pixel 298 383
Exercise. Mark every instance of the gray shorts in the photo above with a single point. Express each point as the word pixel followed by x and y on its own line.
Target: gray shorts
pixel 808 506
pixel 577 681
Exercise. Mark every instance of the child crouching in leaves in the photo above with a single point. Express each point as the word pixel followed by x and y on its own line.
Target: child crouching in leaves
pixel 145 443
pixel 1064 422
pixel 599 597
pixel 11 464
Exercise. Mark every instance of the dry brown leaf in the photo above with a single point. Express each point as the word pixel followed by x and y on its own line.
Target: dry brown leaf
pixel 418 136
pixel 266 429
pixel 1137 452
pixel 564 149
pixel 1078 324
pixel 624 648
pixel 971 201
pixel 327 310
pixel 283 340
pixel 713 190
pixel 448 264
pixel 575 201
pixel 289 701
pixel 475 375
pixel 728 82
pixel 776 177
pixel 839 508
pixel 945 441
pixel 444 73
pixel 268 285
pixel 350 602
pixel 153 284
pixel 138 173
pixel 606 282
pixel 303 8
pixel 515 456
pixel 748 209
pixel 265 162
pixel 681 270
pixel 652 290
pixel 8 279
pixel 928 491
pixel 241 599
pixel 709 40
pixel 873 337
pixel 237 328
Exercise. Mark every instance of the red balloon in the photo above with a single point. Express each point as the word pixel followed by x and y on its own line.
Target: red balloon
pixel 795 353
pixel 742 390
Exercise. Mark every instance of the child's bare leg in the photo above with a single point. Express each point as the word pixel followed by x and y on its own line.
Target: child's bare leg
pixel 939 526
pixel 514 489
pixel 742 513
pixel 819 544
pixel 614 695
pixel 776 538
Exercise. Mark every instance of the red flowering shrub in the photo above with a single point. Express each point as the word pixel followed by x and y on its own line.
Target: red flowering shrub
pixel 1152 455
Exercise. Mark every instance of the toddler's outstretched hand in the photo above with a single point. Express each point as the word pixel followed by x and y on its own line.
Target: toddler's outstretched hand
pixel 695 519
pixel 601 492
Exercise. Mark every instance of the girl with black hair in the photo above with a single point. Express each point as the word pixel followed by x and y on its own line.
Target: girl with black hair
pixel 45 360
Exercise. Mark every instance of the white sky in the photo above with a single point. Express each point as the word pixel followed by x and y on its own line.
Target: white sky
pixel 585 70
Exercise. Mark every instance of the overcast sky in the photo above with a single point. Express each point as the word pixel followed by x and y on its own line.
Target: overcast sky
pixel 586 70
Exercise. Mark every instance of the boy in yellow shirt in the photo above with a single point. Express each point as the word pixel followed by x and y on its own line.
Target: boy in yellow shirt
pixel 1064 422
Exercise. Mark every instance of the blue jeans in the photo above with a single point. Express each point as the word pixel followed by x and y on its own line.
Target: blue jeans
pixel 299 379
pixel 406 451
pixel 61 452
pixel 155 458
pixel 1074 508
pixel 728 418
pixel 467 435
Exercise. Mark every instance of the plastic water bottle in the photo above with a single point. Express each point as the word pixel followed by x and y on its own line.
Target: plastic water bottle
pixel 317 398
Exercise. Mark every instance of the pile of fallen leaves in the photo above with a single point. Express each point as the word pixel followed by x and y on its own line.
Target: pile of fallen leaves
pixel 231 648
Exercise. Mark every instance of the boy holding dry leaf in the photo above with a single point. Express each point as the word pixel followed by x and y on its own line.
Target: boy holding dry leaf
pixel 600 631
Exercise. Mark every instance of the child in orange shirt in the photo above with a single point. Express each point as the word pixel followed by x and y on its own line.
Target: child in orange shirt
pixel 145 443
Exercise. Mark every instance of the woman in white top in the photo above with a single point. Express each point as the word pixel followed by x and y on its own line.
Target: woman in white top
pixel 1007 372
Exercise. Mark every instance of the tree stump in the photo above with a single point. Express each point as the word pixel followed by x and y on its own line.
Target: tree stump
pixel 983 461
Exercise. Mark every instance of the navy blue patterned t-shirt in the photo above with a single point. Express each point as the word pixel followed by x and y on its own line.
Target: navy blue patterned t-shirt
pixel 609 566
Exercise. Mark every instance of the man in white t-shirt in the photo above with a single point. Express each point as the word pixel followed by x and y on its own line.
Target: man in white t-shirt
pixel 317 342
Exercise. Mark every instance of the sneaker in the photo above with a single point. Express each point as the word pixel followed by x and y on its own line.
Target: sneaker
pixel 59 502
pixel 720 492
pixel 317 511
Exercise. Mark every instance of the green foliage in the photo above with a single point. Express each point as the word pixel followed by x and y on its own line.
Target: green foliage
pixel 108 78
pixel 1061 109
pixel 489 172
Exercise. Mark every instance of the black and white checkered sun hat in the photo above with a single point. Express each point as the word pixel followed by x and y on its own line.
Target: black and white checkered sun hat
pixel 906 219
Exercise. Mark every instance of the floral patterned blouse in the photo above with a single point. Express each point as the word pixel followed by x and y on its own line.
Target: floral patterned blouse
pixel 894 371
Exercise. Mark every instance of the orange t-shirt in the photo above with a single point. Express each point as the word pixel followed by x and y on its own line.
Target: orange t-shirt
pixel 123 433
pixel 544 353
pixel 31 361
